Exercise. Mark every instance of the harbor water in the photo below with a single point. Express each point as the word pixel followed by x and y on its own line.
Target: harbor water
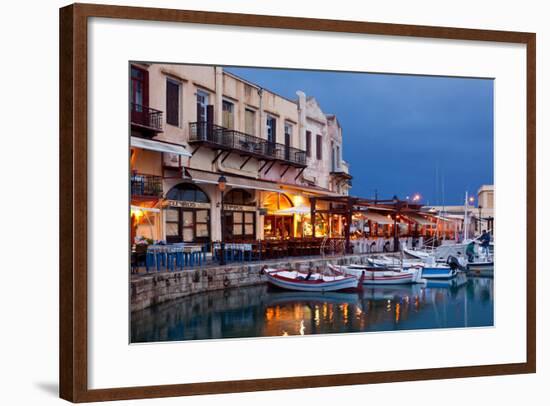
pixel 261 311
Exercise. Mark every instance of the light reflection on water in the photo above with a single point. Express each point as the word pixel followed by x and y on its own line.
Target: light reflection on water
pixel 259 311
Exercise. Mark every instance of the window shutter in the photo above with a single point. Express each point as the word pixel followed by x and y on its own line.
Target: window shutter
pixel 250 122
pixel 210 114
pixel 319 147
pixel 145 87
pixel 274 130
pixel 172 103
pixel 308 143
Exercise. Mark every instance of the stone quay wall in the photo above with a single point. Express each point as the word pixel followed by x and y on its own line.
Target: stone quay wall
pixel 155 288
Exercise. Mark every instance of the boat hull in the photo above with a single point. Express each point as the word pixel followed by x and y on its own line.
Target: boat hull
pixel 481 268
pixel 381 276
pixel 318 285
pixel 460 280
pixel 438 273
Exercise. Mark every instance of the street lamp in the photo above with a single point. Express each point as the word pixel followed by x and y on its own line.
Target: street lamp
pixel 221 187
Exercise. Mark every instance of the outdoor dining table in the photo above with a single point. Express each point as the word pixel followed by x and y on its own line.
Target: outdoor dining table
pixel 234 251
pixel 174 256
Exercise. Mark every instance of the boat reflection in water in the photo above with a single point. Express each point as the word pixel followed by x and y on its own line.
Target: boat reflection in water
pixel 259 311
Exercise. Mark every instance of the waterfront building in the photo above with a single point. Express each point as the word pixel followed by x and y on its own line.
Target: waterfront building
pixel 485 208
pixel 192 124
pixel 478 218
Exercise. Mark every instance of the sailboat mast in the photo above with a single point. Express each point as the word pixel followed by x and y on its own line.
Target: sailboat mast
pixel 466 225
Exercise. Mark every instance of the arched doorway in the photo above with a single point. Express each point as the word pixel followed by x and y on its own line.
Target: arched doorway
pixel 187 214
pixel 240 215
pixel 276 225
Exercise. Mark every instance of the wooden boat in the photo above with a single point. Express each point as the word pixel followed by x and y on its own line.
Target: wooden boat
pixel 310 282
pixel 394 263
pixel 375 275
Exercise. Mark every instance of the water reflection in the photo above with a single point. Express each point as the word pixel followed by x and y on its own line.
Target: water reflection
pixel 258 311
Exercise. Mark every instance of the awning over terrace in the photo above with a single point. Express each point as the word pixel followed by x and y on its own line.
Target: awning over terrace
pixel 158 146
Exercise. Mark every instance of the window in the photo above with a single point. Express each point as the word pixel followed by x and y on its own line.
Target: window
pixel 187 192
pixel 277 201
pixel 308 143
pixel 338 159
pixel 187 224
pixel 242 225
pixel 319 147
pixel 271 129
pixel 239 196
pixel 202 106
pixel 227 116
pixel 288 137
pixel 201 223
pixel 288 133
pixel 172 102
pixel 250 122
pixel 172 223
pixel 139 96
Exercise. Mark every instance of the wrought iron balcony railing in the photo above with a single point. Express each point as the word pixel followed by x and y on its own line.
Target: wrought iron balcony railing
pixel 145 185
pixel 247 144
pixel 146 117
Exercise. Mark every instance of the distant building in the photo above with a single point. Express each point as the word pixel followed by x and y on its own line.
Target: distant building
pixel 480 217
pixel 486 208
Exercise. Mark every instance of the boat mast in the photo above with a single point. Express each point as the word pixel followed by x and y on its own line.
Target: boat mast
pixel 466 221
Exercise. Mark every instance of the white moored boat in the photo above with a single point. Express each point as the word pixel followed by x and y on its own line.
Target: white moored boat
pixel 310 282
pixel 381 276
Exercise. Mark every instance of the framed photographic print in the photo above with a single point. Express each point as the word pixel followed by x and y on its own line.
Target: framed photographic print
pixel 256 202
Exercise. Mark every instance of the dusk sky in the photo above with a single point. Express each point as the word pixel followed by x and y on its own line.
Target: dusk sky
pixel 402 134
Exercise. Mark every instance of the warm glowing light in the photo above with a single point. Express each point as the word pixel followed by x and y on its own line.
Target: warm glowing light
pixel 317 316
pixel 471 199
pixel 285 333
pixel 302 328
pixel 397 312
pixel 344 310
pixel 137 213
pixel 298 200
pixel 416 197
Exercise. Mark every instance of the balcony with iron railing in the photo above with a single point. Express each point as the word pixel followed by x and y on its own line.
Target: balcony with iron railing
pixel 142 185
pixel 226 139
pixel 342 172
pixel 145 118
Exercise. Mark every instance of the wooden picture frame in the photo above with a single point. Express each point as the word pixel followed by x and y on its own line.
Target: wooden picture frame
pixel 73 201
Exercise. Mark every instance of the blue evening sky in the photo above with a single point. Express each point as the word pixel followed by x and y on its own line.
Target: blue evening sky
pixel 402 134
